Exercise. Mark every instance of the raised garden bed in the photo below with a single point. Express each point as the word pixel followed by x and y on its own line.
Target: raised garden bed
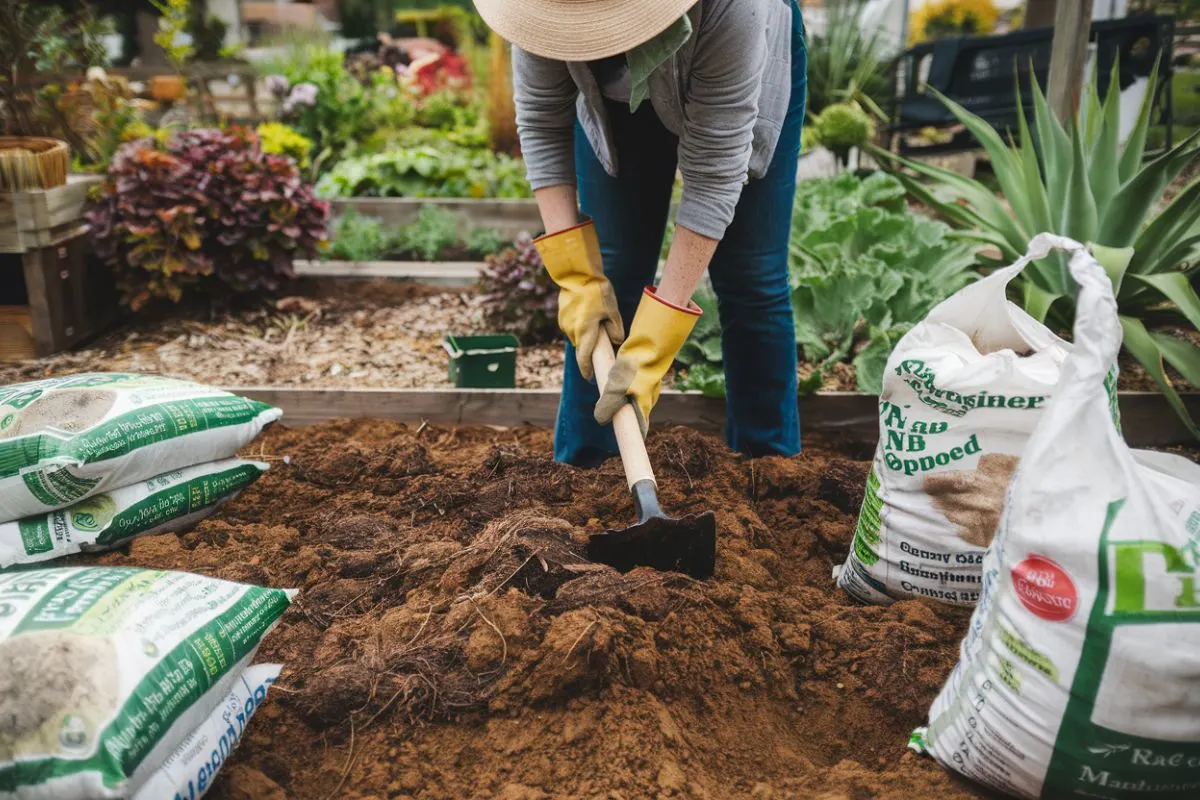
pixel 449 640
pixel 509 217
pixel 351 348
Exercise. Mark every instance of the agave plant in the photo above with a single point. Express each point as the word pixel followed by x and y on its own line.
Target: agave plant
pixel 1079 180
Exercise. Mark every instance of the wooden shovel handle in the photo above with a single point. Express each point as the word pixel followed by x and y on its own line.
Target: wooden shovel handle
pixel 625 423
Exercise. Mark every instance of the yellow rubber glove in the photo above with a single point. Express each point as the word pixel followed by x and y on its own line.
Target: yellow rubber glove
pixel 659 329
pixel 587 304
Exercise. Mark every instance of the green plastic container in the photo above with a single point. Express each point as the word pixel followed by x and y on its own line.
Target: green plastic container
pixel 483 362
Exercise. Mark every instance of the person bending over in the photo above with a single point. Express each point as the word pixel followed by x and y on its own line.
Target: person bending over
pixel 612 98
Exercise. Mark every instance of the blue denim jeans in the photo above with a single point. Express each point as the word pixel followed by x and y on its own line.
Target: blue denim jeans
pixel 749 273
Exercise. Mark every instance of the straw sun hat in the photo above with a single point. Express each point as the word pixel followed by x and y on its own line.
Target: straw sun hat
pixel 580 30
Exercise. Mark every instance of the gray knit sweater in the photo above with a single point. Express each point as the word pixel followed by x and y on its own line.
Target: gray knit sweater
pixel 724 94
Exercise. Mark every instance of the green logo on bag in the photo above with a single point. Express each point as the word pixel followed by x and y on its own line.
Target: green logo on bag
pixel 74 733
pixel 94 514
pixel 1153 578
pixel 23 399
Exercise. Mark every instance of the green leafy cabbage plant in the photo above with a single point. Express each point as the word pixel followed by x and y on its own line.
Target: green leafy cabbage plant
pixel 1079 180
pixel 444 171
pixel 864 270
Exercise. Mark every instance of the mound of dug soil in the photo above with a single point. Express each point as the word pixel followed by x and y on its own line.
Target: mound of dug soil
pixel 451 641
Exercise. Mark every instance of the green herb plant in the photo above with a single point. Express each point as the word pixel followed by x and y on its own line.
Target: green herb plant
pixel 432 233
pixel 359 238
pixel 432 236
pixel 1078 180
pixel 324 102
pixel 483 242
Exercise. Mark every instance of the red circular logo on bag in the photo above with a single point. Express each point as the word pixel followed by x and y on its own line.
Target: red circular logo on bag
pixel 1045 589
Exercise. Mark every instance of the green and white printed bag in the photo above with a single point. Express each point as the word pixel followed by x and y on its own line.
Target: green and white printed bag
pixel 65 439
pixel 105 671
pixel 169 503
pixel 1080 673
pixel 189 772
pixel 962 392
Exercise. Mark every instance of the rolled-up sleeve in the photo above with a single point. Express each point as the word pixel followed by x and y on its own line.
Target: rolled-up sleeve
pixel 545 96
pixel 720 112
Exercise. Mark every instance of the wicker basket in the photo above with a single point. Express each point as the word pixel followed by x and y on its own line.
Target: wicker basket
pixel 28 162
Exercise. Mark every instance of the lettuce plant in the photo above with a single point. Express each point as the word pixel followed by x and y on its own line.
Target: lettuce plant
pixel 1079 180
pixel 208 208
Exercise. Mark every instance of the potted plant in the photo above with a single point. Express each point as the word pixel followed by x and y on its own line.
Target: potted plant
pixel 168 88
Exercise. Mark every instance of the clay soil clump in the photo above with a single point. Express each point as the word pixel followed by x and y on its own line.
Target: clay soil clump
pixel 450 640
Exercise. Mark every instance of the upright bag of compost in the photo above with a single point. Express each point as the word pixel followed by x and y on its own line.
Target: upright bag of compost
pixel 1080 673
pixel 169 503
pixel 65 439
pixel 105 671
pixel 962 391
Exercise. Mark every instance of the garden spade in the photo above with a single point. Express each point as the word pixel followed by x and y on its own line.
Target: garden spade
pixel 687 544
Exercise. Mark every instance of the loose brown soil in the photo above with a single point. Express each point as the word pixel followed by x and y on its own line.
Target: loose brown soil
pixel 451 641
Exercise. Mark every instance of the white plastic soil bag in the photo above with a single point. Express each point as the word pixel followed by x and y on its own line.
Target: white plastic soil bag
pixel 167 503
pixel 189 772
pixel 962 391
pixel 65 439
pixel 104 671
pixel 1080 674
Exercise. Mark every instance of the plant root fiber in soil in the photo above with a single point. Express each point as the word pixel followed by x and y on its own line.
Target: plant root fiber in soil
pixel 451 641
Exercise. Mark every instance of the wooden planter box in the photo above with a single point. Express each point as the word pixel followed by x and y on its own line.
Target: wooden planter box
pixel 508 217
pixel 30 220
pixel 72 297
